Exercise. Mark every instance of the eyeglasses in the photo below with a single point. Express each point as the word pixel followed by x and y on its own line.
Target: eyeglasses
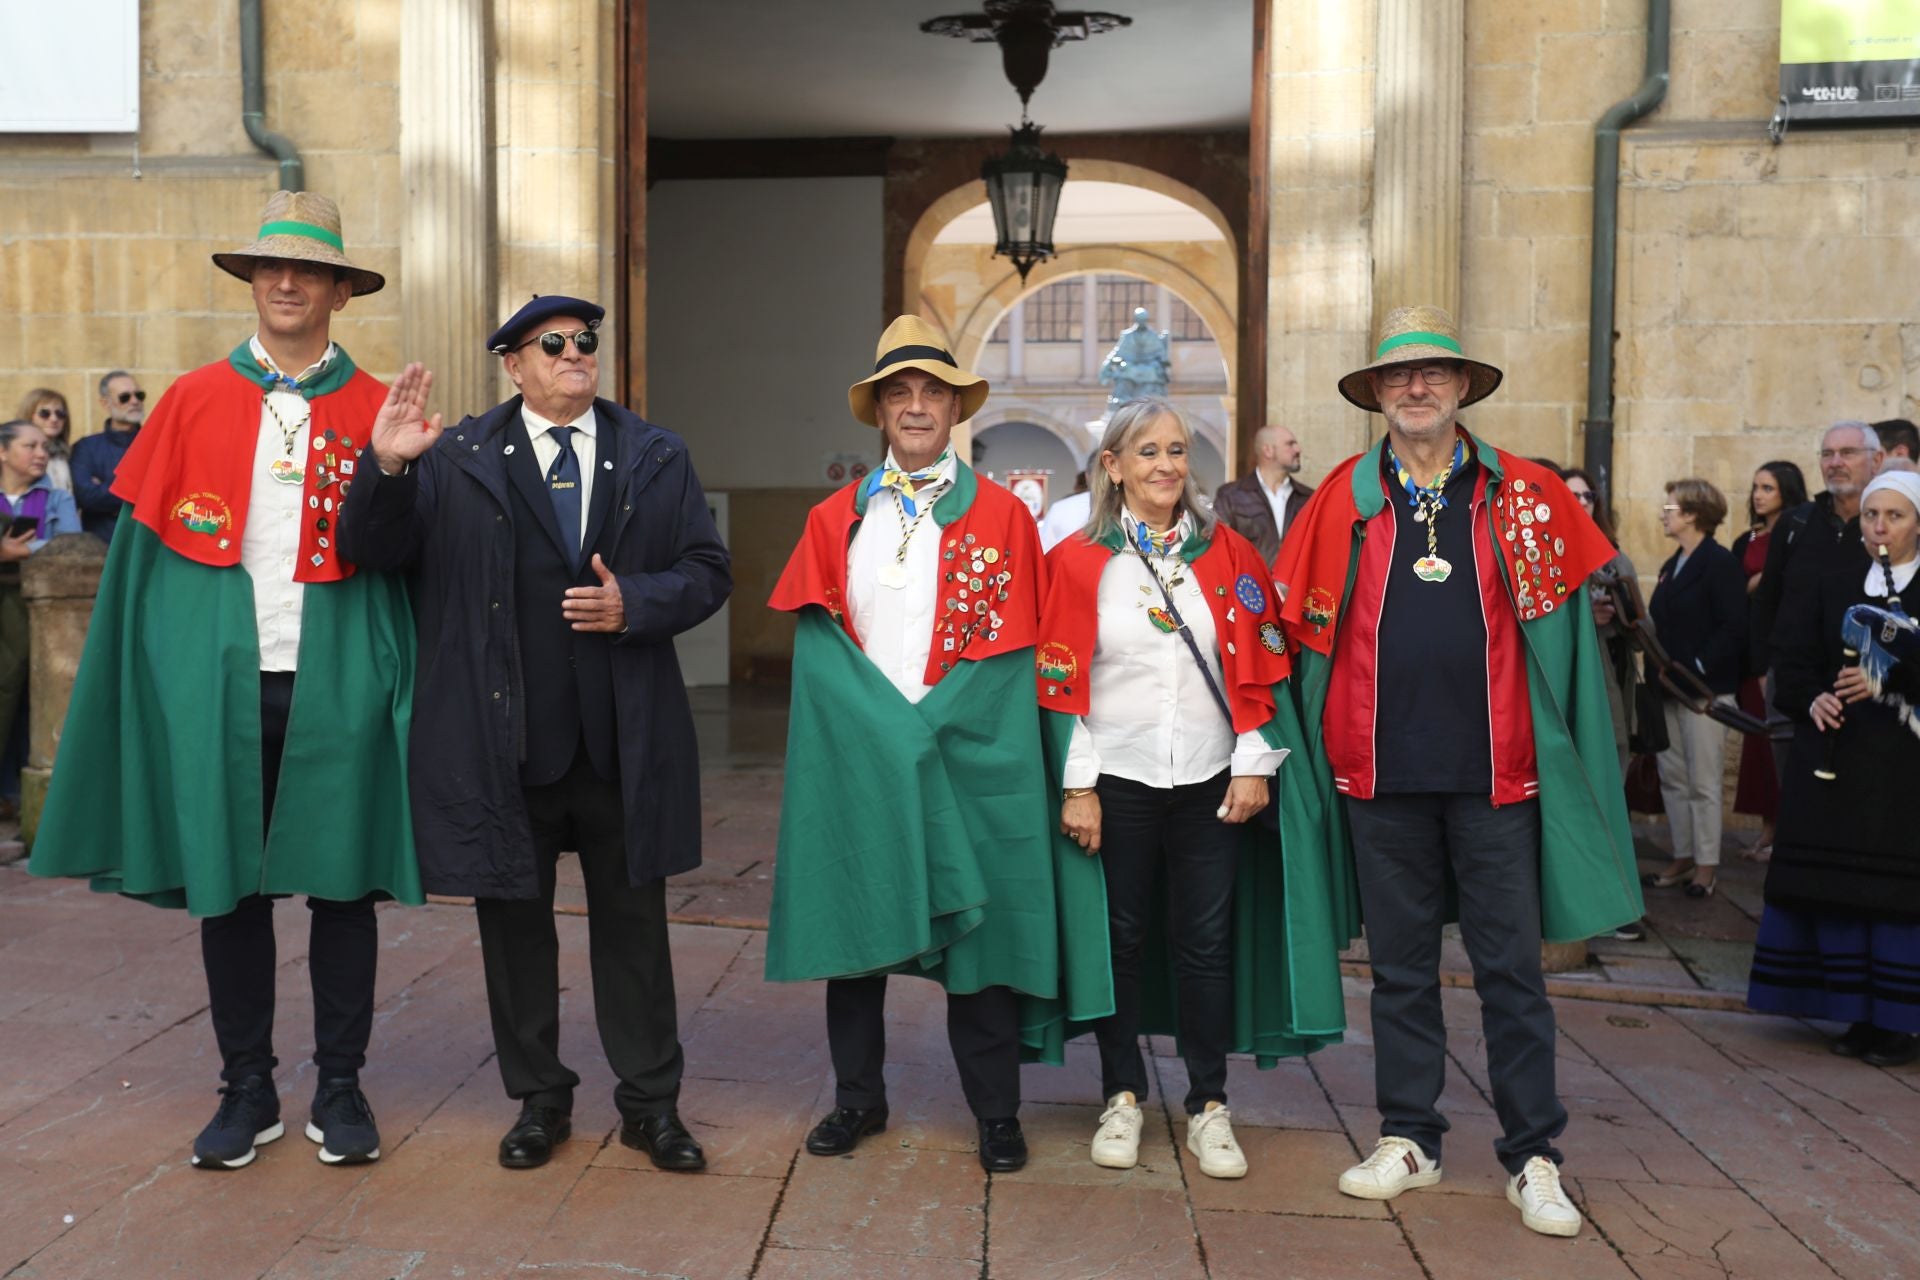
pixel 1828 455
pixel 48 411
pixel 125 396
pixel 1670 507
pixel 1433 375
pixel 1584 497
pixel 554 341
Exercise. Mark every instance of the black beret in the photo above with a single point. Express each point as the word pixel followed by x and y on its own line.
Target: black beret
pixel 542 308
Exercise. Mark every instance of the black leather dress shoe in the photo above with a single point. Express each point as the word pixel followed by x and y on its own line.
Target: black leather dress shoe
pixel 666 1140
pixel 530 1143
pixel 843 1128
pixel 1856 1042
pixel 1003 1148
pixel 1892 1048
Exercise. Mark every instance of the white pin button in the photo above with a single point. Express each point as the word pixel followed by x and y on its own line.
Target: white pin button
pixel 508 449
pixel 608 464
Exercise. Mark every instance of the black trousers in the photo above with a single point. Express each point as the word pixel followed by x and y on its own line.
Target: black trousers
pixel 1403 845
pixel 1169 839
pixel 237 949
pixel 633 1000
pixel 983 1028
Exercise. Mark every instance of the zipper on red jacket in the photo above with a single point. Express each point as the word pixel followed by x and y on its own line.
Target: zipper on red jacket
pixel 1486 625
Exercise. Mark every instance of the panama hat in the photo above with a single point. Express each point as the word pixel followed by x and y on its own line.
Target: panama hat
pixel 1415 335
pixel 912 343
pixel 299 226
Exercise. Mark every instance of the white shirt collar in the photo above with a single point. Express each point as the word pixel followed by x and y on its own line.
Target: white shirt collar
pixel 538 426
pixel 1902 578
pixel 1284 487
pixel 947 468
pixel 266 361
pixel 1183 527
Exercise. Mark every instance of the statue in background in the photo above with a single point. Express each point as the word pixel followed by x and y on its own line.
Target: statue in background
pixel 1139 363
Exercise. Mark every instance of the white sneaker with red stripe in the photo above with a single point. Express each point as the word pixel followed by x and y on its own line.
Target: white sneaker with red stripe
pixel 1536 1192
pixel 1396 1165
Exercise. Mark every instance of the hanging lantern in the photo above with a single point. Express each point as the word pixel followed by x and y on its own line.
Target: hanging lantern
pixel 1023 188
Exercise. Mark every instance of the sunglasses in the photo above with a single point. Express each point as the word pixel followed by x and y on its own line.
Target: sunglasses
pixel 553 341
pixel 48 411
pixel 125 396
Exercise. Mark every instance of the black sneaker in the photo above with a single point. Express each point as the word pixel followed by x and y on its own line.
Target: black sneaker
pixel 343 1123
pixel 249 1117
pixel 1635 932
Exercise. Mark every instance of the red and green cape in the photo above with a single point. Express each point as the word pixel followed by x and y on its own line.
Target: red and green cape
pixel 157 791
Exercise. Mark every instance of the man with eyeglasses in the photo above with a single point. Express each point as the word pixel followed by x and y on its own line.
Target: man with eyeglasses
pixel 1850 453
pixel 558 543
pixel 96 459
pixel 1459 745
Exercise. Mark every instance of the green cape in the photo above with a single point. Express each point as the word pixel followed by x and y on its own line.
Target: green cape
pixel 157 791
pixel 914 839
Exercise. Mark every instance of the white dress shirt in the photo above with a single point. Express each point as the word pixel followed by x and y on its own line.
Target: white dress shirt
pixel 1064 519
pixel 1151 718
pixel 1277 498
pixel 546 449
pixel 271 540
pixel 895 624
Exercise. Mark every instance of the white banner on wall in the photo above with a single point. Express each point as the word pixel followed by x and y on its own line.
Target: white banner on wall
pixel 72 67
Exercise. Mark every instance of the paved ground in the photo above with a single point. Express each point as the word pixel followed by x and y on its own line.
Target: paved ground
pixel 1703 1143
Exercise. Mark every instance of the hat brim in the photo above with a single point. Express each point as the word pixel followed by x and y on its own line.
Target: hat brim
pixel 972 388
pixel 1482 379
pixel 239 263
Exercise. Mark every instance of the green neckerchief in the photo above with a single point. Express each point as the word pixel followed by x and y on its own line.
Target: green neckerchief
pixel 951 506
pixel 325 382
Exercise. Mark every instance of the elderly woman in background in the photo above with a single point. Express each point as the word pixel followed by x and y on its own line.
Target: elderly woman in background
pixel 1840 938
pixel 47 409
pixel 1777 486
pixel 31 511
pixel 1170 612
pixel 1699 609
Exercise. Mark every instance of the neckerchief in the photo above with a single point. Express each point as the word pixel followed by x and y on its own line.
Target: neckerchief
pixel 329 377
pixel 1150 543
pixel 905 483
pixel 1430 497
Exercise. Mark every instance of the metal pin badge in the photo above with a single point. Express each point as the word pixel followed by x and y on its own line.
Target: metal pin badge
pixel 508 449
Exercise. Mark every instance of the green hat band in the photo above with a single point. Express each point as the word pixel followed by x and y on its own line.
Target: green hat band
pixel 1418 339
pixel 304 229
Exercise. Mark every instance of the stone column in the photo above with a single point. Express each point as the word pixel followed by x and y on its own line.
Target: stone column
pixel 1418 90
pixel 447 245
pixel 58 584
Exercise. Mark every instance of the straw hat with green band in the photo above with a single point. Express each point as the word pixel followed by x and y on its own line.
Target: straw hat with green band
pixel 912 343
pixel 299 226
pixel 1416 335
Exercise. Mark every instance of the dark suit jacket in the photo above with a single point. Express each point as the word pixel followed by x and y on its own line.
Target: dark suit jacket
pixel 1700 614
pixel 1243 507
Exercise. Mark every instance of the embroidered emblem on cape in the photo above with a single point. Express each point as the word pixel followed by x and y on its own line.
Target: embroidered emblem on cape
pixel 203 512
pixel 1055 661
pixel 1246 588
pixel 1271 639
pixel 1318 608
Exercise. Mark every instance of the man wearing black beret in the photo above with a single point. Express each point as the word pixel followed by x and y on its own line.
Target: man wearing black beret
pixel 557 543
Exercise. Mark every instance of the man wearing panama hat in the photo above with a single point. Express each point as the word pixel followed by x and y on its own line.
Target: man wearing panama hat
pixel 915 824
pixel 1454 721
pixel 224 585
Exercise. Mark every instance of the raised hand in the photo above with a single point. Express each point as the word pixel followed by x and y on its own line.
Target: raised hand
pixel 600 608
pixel 402 431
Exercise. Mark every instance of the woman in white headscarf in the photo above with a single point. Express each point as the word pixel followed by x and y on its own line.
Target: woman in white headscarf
pixel 1840 940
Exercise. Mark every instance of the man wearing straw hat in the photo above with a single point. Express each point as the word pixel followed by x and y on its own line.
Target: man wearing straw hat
pixel 915 825
pixel 556 543
pixel 1454 721
pixel 233 649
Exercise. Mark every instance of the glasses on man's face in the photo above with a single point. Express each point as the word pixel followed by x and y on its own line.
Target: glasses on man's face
pixel 1829 455
pixel 127 396
pixel 1433 375
pixel 554 341
pixel 48 411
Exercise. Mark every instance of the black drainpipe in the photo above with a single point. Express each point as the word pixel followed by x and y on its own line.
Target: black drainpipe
pixel 253 101
pixel 1606 220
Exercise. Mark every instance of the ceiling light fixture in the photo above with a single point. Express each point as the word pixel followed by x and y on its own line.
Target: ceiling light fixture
pixel 1023 185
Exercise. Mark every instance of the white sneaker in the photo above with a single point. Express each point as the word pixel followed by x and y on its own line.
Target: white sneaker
pixel 1544 1207
pixel 1396 1165
pixel 1210 1138
pixel 1117 1143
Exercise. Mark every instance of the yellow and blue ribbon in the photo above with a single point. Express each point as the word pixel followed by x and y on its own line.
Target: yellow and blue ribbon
pixel 904 483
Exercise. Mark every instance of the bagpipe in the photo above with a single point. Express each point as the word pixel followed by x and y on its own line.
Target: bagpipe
pixel 1875 639
pixel 1675 679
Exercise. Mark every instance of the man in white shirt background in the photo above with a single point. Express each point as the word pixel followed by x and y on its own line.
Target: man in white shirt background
pixel 1261 505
